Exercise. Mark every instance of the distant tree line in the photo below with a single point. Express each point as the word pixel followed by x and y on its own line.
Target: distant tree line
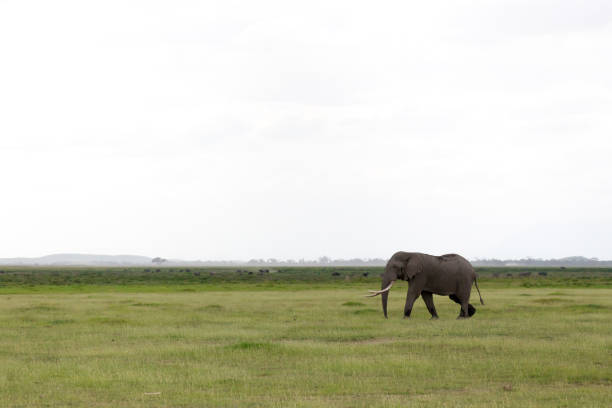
pixel 321 261
pixel 573 261
pixel 576 261
pixel 104 260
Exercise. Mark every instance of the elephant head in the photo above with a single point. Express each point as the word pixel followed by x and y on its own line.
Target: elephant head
pixel 402 265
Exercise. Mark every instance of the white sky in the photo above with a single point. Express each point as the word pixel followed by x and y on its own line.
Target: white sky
pixel 240 129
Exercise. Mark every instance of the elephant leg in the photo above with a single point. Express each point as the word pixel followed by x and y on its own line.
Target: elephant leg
pixel 428 299
pixel 471 310
pixel 455 299
pixel 465 310
pixel 413 294
pixel 463 298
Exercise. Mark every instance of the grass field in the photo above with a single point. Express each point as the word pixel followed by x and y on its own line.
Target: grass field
pixel 247 344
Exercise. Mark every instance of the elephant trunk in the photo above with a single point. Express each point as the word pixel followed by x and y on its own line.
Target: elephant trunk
pixel 385 295
pixel 387 283
pixel 384 303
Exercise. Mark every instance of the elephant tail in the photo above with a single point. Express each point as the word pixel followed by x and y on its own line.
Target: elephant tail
pixel 476 283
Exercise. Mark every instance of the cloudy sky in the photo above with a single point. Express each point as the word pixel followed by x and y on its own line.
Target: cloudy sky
pixel 237 129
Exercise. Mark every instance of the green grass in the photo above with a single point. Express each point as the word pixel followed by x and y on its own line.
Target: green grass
pixel 292 345
pixel 170 279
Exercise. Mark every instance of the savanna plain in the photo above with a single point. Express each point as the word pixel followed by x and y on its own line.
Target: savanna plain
pixel 298 337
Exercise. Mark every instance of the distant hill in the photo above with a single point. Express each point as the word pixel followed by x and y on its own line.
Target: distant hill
pixel 79 259
pixel 135 260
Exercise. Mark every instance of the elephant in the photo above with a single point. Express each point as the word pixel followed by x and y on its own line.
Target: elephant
pixel 449 275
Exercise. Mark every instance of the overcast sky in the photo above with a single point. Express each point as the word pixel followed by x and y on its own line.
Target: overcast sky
pixel 241 129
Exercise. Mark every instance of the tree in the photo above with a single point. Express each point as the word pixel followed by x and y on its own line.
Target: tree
pixel 324 260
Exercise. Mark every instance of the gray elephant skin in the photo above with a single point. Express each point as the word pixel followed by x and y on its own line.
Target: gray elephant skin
pixel 448 275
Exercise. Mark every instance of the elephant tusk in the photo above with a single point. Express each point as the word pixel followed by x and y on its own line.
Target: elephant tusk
pixel 378 292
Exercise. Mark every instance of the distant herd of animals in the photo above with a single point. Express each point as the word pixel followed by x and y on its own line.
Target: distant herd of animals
pixel 260 271
pixel 521 274
pixel 364 274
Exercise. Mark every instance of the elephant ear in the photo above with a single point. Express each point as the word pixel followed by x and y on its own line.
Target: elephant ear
pixel 399 268
pixel 413 267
